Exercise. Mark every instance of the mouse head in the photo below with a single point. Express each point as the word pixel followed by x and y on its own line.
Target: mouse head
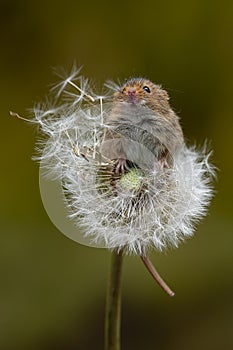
pixel 139 91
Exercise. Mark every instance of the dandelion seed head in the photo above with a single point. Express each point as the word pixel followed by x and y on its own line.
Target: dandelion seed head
pixel 148 206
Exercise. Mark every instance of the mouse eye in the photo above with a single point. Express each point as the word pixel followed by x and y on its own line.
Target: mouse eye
pixel 123 91
pixel 146 88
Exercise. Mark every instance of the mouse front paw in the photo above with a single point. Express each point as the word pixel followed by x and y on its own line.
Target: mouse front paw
pixel 120 166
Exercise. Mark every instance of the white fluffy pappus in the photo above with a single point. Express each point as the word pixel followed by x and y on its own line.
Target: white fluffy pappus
pixel 139 210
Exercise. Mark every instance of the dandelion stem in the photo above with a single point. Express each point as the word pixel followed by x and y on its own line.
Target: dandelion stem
pixel 113 303
pixel 150 267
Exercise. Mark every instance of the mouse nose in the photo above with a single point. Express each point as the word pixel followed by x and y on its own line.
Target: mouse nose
pixel 131 91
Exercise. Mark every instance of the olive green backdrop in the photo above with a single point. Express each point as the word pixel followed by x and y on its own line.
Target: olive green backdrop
pixel 52 290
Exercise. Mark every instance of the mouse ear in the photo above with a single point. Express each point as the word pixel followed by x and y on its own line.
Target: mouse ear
pixel 165 95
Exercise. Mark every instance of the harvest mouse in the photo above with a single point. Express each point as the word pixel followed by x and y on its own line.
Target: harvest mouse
pixel 141 129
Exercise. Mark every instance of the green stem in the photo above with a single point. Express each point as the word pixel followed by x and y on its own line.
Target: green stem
pixel 113 303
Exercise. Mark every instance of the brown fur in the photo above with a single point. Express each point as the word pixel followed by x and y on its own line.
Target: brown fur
pixel 141 118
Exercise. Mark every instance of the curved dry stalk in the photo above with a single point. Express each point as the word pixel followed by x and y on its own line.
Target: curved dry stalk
pixel 150 267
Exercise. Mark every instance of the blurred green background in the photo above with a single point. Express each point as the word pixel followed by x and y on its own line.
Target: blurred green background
pixel 52 290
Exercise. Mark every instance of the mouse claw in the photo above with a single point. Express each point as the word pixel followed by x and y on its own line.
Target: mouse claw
pixel 163 163
pixel 120 166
